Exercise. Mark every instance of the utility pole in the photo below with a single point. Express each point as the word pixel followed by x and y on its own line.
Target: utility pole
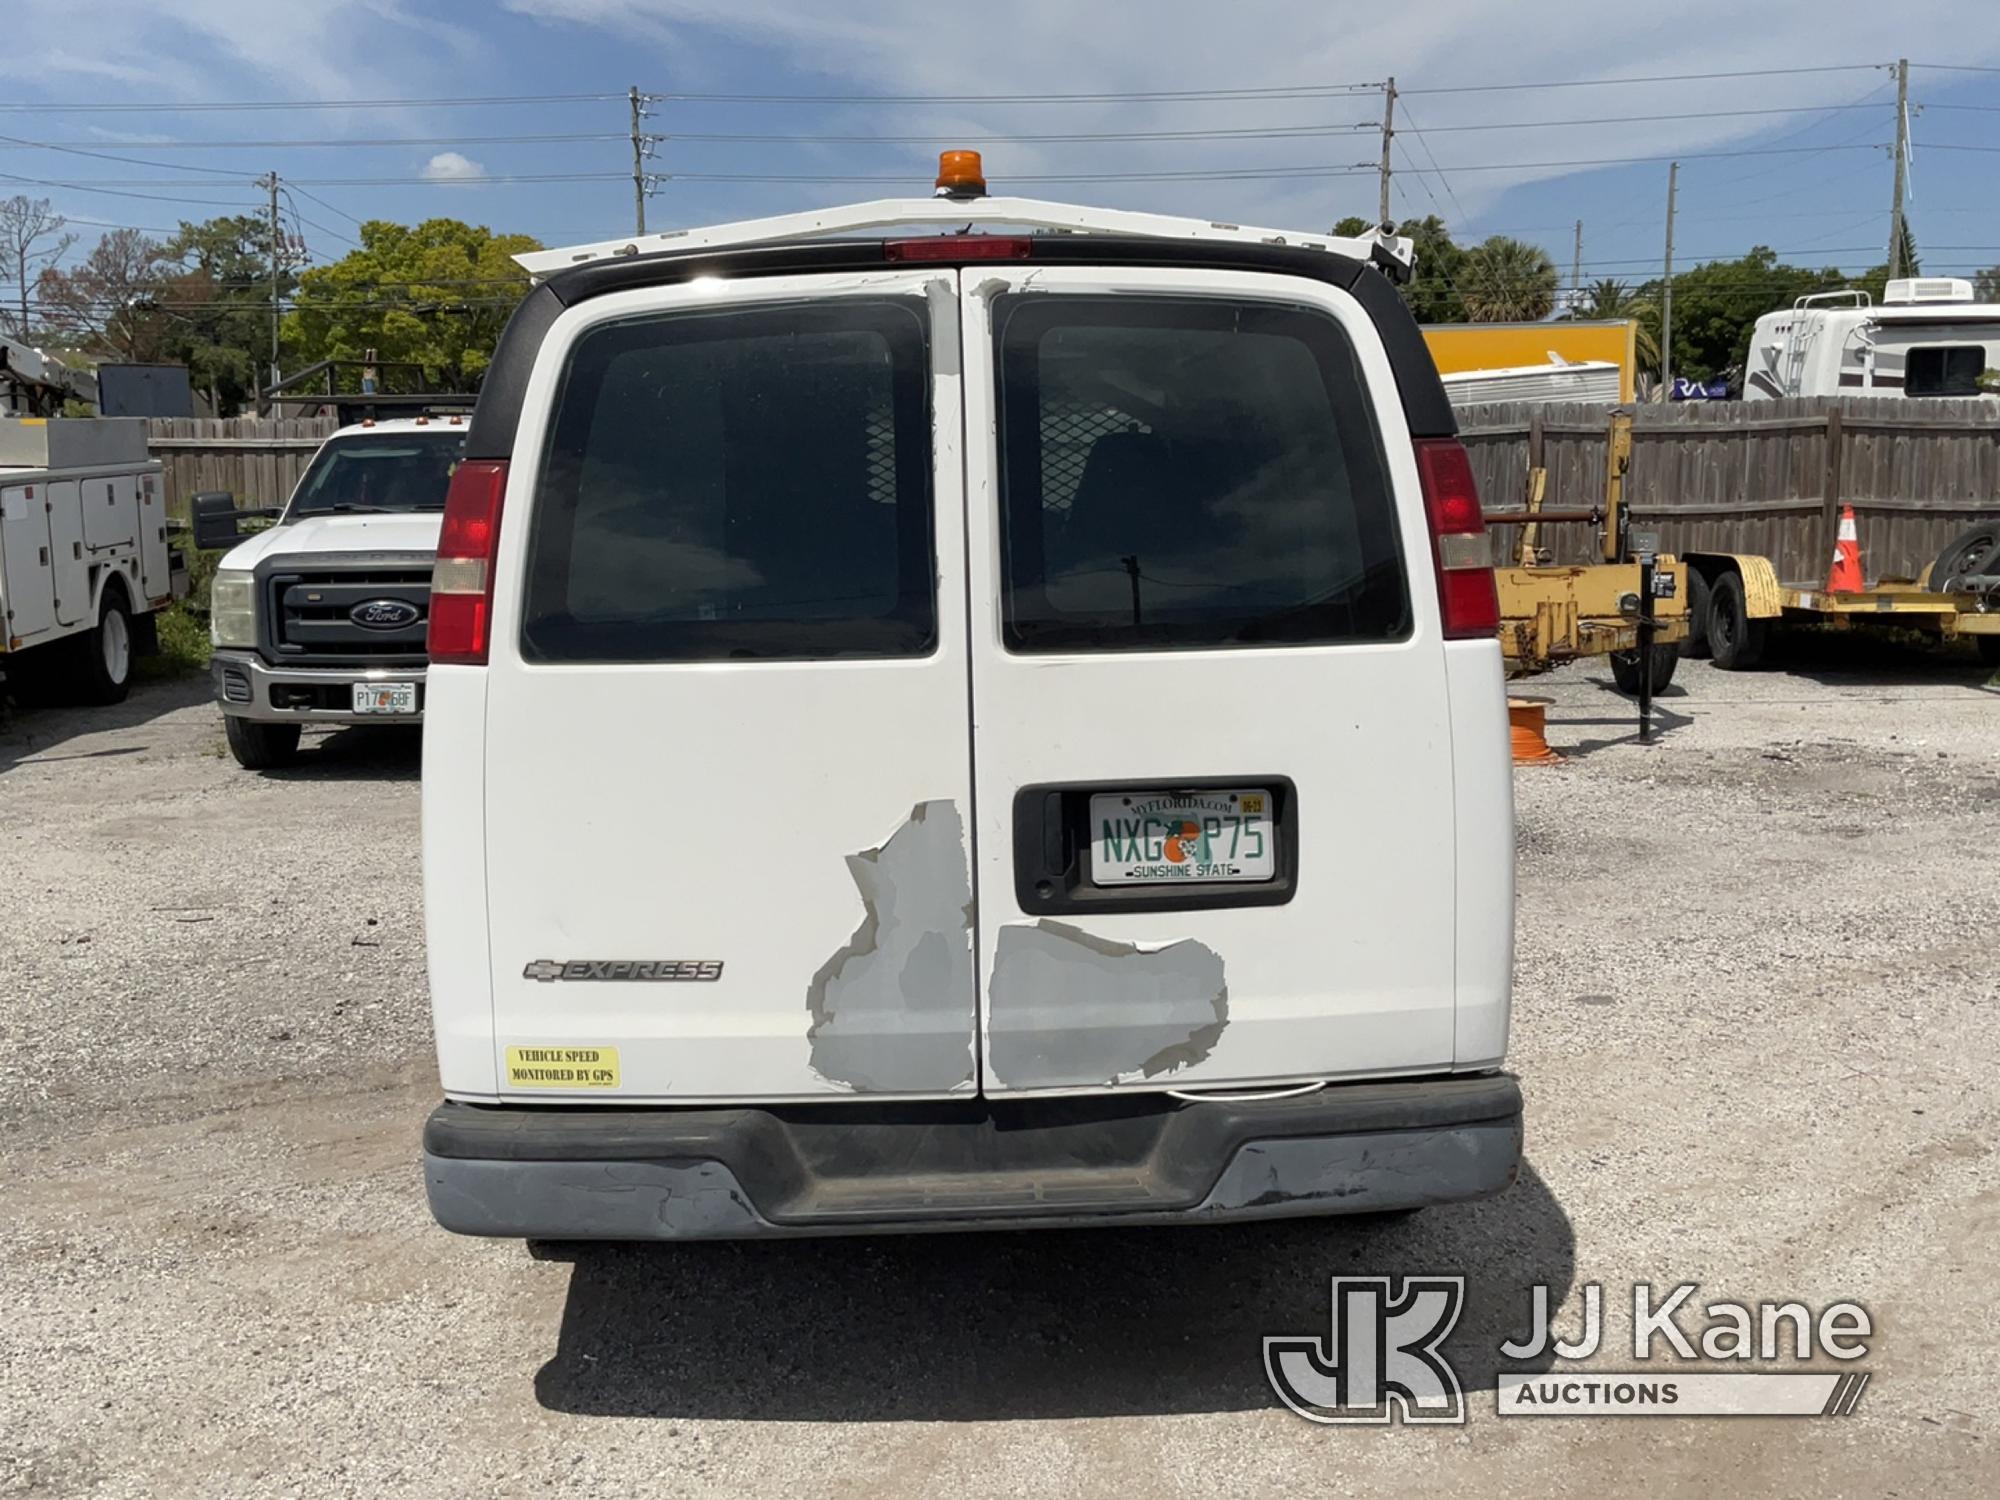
pixel 1896 234
pixel 1576 270
pixel 1388 135
pixel 270 180
pixel 638 102
pixel 1667 293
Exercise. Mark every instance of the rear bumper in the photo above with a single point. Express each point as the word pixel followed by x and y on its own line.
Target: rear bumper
pixel 246 687
pixel 550 1172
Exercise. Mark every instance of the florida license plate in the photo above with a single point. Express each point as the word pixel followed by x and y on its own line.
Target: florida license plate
pixel 385 697
pixel 1150 838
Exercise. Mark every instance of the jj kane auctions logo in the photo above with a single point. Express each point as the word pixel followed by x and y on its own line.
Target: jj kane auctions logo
pixel 1382 1357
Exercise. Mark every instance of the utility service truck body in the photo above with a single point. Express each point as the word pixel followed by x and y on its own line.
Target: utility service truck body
pixel 84 558
pixel 937 731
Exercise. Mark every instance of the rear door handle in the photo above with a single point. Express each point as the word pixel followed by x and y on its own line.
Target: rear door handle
pixel 1055 836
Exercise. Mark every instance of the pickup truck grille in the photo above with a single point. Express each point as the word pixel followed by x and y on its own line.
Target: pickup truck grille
pixel 312 621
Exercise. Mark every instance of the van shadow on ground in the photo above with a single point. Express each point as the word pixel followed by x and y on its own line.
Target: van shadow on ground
pixel 1055 1323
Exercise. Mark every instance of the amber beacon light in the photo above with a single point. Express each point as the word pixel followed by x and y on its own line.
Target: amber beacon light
pixel 960 175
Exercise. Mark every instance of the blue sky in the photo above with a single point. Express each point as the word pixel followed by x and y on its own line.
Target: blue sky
pixel 1471 151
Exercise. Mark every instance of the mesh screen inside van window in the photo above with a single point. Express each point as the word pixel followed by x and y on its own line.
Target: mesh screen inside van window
pixel 1189 473
pixel 747 484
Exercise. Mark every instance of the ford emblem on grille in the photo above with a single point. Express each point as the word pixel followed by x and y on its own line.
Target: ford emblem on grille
pixel 384 614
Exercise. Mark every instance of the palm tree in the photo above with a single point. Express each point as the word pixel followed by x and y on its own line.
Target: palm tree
pixel 1613 299
pixel 1507 281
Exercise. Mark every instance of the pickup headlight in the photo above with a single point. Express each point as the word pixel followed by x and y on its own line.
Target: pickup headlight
pixel 232 608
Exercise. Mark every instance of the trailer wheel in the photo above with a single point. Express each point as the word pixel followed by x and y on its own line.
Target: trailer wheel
pixel 260 747
pixel 104 655
pixel 1695 642
pixel 1625 667
pixel 1734 639
pixel 1971 552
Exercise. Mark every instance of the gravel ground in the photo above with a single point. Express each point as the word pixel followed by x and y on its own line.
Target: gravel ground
pixel 1756 1025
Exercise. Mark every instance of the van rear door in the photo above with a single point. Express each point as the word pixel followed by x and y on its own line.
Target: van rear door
pixel 1213 763
pixel 726 733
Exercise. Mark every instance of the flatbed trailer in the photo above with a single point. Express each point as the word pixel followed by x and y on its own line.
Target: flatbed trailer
pixel 1750 498
pixel 1735 637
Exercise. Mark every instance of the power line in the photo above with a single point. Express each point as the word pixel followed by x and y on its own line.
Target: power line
pixel 184 107
pixel 134 161
pixel 1218 174
pixel 1444 181
pixel 84 187
pixel 1707 114
pixel 1585 83
pixel 111 184
pixel 1308 170
pixel 1421 182
pixel 330 207
pixel 558 138
pixel 1298 91
pixel 301 219
pixel 1247 132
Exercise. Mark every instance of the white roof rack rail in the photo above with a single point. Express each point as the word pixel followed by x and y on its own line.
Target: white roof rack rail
pixel 958 212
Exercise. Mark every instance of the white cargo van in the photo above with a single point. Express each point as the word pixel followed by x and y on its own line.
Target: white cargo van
pixel 935 731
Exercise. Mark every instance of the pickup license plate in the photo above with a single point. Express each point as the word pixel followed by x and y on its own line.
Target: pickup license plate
pixel 1152 838
pixel 385 697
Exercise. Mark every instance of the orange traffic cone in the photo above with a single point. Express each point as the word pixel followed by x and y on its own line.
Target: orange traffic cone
pixel 1844 575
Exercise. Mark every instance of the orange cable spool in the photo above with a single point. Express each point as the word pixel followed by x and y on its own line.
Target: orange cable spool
pixel 1527 719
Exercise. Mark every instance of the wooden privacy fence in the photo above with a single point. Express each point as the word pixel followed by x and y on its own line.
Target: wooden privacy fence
pixel 257 459
pixel 1764 477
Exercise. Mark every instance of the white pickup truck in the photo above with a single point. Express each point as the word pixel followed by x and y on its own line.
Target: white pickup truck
pixel 321 618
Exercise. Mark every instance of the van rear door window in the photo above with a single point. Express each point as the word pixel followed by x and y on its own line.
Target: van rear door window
pixel 738 485
pixel 1183 473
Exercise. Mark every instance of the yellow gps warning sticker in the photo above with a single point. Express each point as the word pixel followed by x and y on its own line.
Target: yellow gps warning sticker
pixel 562 1067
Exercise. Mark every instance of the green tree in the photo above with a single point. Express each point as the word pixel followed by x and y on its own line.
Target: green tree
pixel 106 303
pixel 1505 280
pixel 219 305
pixel 1718 303
pixel 1912 263
pixel 436 295
pixel 31 239
pixel 1986 284
pixel 1432 292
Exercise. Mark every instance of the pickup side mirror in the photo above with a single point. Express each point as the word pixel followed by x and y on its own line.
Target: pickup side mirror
pixel 218 524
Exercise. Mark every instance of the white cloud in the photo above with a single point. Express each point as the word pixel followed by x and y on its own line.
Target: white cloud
pixel 208 49
pixel 450 166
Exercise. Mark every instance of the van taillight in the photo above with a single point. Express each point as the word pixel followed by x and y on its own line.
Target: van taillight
pixel 462 582
pixel 1467 599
